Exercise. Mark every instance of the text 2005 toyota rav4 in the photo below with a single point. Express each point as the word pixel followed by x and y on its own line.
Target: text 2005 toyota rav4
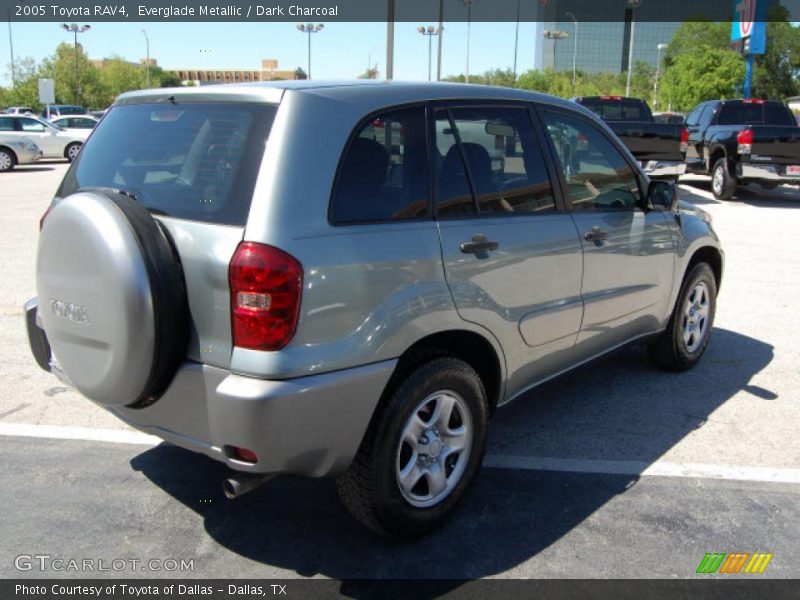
pixel 331 279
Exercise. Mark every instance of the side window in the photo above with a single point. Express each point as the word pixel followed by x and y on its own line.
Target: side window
pixel 597 175
pixel 384 173
pixel 706 116
pixel 693 118
pixel 503 159
pixel 32 125
pixel 6 125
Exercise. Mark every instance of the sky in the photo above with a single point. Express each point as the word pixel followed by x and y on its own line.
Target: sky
pixel 341 50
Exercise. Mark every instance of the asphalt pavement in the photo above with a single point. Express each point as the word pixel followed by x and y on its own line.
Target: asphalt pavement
pixel 614 470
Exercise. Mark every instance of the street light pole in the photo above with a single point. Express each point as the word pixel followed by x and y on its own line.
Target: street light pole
pixel 147 60
pixel 555 35
pixel 389 40
pixel 11 48
pixel 516 41
pixel 468 4
pixel 634 4
pixel 574 49
pixel 439 42
pixel 310 28
pixel 429 32
pixel 658 73
pixel 75 29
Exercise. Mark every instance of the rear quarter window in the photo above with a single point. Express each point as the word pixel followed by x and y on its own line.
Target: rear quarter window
pixel 193 161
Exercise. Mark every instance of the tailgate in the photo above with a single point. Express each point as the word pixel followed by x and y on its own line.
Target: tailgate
pixel 775 144
pixel 650 141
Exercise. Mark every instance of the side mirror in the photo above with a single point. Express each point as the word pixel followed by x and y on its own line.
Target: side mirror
pixel 662 195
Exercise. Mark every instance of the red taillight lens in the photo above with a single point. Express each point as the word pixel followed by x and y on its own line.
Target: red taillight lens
pixel 266 284
pixel 753 101
pixel 684 135
pixel 245 455
pixel 745 137
pixel 610 97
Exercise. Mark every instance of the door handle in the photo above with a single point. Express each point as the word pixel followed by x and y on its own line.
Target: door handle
pixel 479 245
pixel 596 235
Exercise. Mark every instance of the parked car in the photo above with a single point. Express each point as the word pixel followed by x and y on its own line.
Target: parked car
pixel 253 273
pixel 98 114
pixel 17 151
pixel 659 147
pixel 59 110
pixel 54 141
pixel 19 110
pixel 669 117
pixel 743 141
pixel 80 122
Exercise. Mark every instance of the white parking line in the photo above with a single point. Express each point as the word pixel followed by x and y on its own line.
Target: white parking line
pixel 498 461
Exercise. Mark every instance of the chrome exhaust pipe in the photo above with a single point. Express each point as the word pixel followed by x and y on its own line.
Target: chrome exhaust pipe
pixel 241 483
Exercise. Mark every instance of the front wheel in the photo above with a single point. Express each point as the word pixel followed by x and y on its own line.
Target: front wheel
pixel 72 151
pixel 422 451
pixel 722 183
pixel 688 332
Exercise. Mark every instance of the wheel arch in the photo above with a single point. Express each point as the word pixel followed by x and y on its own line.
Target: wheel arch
pixel 711 256
pixel 67 146
pixel 473 348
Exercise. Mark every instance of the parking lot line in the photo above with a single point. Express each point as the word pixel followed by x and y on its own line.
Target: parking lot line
pixel 497 461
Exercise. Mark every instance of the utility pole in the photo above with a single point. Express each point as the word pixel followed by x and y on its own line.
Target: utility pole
pixel 634 4
pixel 516 41
pixel 11 47
pixel 390 40
pixel 660 47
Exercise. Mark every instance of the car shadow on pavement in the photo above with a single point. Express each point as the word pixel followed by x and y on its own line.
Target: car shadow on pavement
pixel 25 169
pixel 618 408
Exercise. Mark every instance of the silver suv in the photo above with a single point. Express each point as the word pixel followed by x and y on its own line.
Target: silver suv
pixel 329 280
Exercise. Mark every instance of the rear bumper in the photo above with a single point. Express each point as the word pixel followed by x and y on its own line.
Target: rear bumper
pixel 663 168
pixel 308 426
pixel 766 173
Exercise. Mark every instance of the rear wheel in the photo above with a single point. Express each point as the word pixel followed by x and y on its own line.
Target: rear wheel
pixel 7 160
pixel 686 337
pixel 422 451
pixel 71 153
pixel 722 183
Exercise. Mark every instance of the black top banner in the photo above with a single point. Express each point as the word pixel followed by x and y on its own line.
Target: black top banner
pixel 397 10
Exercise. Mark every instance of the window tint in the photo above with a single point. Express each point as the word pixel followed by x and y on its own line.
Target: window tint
pixel 596 173
pixel 32 125
pixel 693 118
pixel 777 114
pixel 6 124
pixel 384 173
pixel 193 161
pixel 505 163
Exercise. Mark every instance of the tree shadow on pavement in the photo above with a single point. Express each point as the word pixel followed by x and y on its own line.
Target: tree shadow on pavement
pixel 618 408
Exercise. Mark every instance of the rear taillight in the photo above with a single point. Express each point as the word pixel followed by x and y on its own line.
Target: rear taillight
pixel 745 141
pixel 266 285
pixel 610 97
pixel 753 101
pixel 684 139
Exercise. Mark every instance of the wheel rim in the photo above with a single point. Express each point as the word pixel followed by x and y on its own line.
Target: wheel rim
pixel 717 183
pixel 73 150
pixel 434 449
pixel 5 161
pixel 696 315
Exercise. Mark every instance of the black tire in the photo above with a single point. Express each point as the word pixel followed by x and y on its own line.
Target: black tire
pixel 369 488
pixel 723 184
pixel 669 351
pixel 7 160
pixel 71 151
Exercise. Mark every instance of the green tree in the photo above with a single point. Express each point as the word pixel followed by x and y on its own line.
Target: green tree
pixel 118 76
pixel 77 80
pixel 25 92
pixel 775 73
pixel 692 36
pixel 698 76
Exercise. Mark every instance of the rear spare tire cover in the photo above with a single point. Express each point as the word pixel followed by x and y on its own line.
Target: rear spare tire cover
pixel 112 298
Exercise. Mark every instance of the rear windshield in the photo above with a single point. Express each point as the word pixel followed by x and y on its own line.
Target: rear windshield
pixel 617 110
pixel 746 113
pixel 192 161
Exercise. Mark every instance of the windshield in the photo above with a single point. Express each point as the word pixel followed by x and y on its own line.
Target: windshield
pixel 193 161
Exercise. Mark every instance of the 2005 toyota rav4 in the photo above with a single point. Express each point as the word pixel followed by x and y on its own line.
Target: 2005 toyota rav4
pixel 329 279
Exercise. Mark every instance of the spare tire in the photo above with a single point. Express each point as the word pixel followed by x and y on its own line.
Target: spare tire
pixel 112 298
